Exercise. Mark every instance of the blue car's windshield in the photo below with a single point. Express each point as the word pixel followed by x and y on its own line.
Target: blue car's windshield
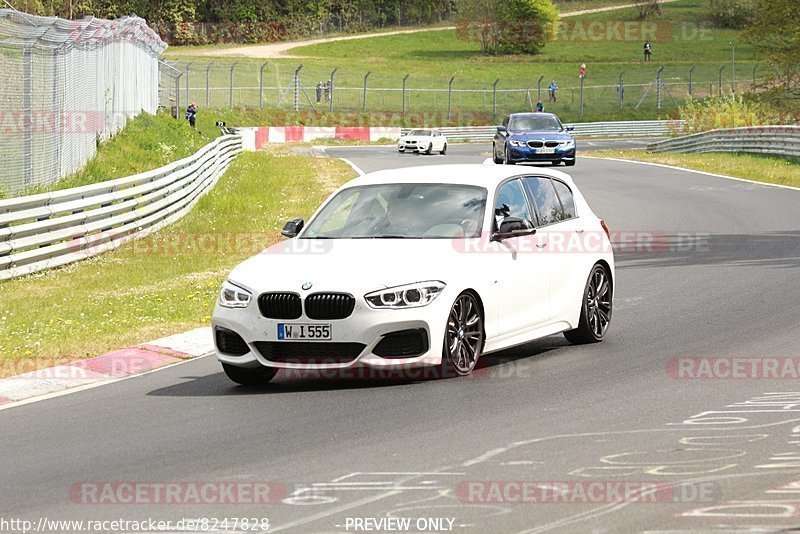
pixel 528 123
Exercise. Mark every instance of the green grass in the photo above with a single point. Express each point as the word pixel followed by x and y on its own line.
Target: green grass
pixel 165 283
pixel 430 58
pixel 769 169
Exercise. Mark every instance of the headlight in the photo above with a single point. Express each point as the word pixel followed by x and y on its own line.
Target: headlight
pixel 232 296
pixel 570 142
pixel 513 142
pixel 408 296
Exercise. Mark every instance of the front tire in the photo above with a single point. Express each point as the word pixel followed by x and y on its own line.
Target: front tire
pixel 246 376
pixel 570 163
pixel 596 308
pixel 443 151
pixel 507 159
pixel 463 338
pixel 430 148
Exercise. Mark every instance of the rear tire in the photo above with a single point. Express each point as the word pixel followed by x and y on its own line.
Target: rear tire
pixel 443 151
pixel 245 376
pixel 596 308
pixel 463 337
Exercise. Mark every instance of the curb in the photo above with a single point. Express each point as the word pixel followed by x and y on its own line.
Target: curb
pixel 109 367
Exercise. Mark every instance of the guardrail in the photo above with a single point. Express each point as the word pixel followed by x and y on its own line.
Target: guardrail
pixel 582 129
pixel 41 231
pixel 775 140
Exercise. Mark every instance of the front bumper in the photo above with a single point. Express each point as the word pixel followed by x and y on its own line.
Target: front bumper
pixel 365 326
pixel 402 147
pixel 521 154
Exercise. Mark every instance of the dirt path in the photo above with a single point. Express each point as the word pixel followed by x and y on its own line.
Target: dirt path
pixel 281 49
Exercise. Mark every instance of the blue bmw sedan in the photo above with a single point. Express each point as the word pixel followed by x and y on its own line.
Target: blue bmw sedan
pixel 533 137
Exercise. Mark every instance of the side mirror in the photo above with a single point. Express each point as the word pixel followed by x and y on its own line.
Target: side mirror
pixel 501 130
pixel 570 128
pixel 513 227
pixel 292 228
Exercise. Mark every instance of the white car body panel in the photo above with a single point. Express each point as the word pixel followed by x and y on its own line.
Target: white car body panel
pixel 527 291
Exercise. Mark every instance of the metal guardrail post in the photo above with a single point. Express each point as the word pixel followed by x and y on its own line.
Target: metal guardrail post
pixel 404 93
pixel 364 105
pixel 330 103
pixel 261 85
pixel 449 95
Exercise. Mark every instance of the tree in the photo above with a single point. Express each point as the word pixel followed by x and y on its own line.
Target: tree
pixel 647 8
pixel 736 14
pixel 507 26
pixel 775 33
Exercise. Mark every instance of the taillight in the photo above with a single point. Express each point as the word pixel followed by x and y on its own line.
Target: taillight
pixel 603 224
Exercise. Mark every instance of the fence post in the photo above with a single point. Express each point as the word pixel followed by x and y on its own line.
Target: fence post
pixel 720 80
pixel 178 93
pixel 449 95
pixel 539 86
pixel 404 93
pixel 621 89
pixel 261 85
pixel 690 80
pixel 27 112
pixel 230 93
pixel 297 87
pixel 658 87
pixel 494 99
pixel 364 105
pixel 187 81
pixel 330 102
pixel 755 68
pixel 582 80
pixel 733 67
pixel 208 100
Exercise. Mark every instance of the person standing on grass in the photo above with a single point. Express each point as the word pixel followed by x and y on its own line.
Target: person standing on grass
pixel 191 114
pixel 552 88
pixel 319 91
pixel 648 50
pixel 539 107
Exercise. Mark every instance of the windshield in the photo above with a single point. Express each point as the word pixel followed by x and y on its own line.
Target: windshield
pixel 421 211
pixel 527 123
pixel 423 133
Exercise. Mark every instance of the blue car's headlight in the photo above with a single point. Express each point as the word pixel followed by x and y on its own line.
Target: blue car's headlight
pixel 514 142
pixel 413 295
pixel 233 296
pixel 567 143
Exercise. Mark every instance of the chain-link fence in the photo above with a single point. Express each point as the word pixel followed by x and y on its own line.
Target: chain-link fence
pixel 250 84
pixel 65 86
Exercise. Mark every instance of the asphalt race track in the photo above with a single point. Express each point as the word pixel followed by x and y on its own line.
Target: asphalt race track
pixel 707 267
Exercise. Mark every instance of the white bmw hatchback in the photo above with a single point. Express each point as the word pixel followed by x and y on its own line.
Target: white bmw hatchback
pixel 420 267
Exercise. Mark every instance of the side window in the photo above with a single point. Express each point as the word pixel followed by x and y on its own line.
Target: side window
pixel 548 208
pixel 505 122
pixel 567 201
pixel 511 202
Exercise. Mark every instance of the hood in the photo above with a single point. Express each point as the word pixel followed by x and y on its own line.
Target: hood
pixel 416 138
pixel 352 265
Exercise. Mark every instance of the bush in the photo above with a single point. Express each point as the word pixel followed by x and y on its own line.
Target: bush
pixel 535 21
pixel 726 112
pixel 735 14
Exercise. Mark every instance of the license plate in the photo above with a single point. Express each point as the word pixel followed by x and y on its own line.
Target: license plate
pixel 319 332
pixel 545 150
